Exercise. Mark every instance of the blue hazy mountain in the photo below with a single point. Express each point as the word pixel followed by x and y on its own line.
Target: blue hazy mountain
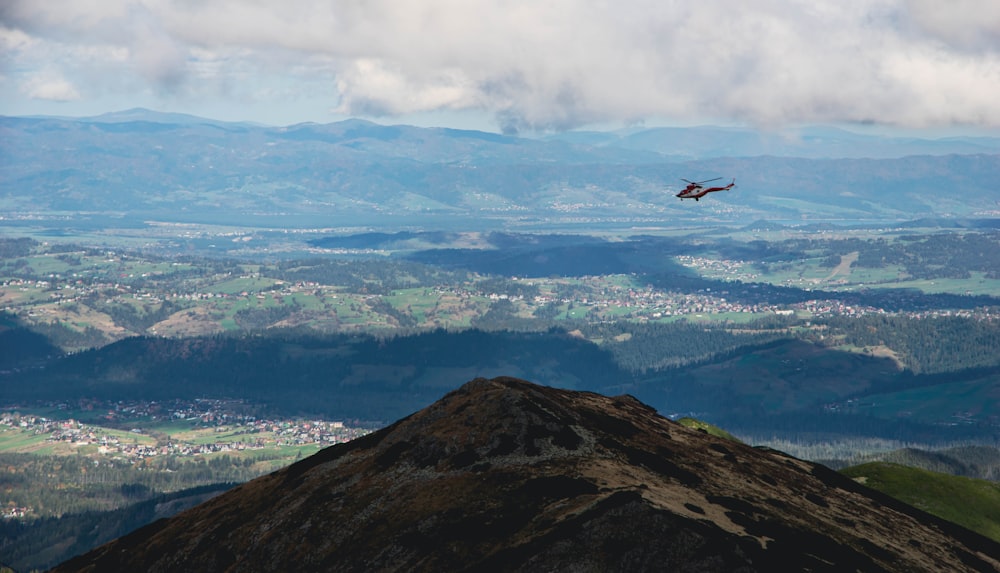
pixel 809 142
pixel 147 165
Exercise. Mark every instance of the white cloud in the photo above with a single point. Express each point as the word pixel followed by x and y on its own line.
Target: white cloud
pixel 366 81
pixel 554 64
pixel 12 40
pixel 51 89
pixel 972 25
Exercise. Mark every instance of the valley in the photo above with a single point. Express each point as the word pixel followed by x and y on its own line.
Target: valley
pixel 177 323
pixel 152 436
pixel 86 297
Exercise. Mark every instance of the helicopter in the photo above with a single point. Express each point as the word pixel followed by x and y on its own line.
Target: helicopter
pixel 696 189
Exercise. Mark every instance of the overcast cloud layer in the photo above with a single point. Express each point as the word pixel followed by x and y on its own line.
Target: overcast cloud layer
pixel 556 64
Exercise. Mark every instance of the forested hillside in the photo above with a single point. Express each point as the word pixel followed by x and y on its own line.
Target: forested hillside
pixel 924 345
pixel 43 543
pixel 750 378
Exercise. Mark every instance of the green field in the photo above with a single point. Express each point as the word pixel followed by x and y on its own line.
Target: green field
pixel 15 440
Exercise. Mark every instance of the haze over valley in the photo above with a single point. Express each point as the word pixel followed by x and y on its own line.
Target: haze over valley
pixel 152 171
pixel 190 303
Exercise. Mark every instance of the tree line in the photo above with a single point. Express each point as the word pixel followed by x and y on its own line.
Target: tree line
pixel 926 345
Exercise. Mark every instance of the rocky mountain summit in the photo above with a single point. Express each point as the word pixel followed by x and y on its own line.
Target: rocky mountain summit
pixel 506 475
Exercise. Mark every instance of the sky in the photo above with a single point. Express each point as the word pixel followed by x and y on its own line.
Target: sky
pixel 512 66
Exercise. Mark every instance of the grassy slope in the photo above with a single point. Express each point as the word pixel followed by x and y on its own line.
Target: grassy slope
pixel 709 428
pixel 971 503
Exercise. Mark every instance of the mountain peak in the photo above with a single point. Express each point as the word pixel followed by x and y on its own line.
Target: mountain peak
pixel 503 474
pixel 141 114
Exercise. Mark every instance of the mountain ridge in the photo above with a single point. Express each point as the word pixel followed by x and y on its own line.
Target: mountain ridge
pixel 184 170
pixel 700 141
pixel 506 474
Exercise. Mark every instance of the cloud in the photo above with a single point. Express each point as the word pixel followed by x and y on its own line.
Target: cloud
pixel 969 25
pixel 155 54
pixel 543 65
pixel 51 89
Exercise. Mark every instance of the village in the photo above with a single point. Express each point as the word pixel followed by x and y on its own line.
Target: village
pixel 81 294
pixel 178 428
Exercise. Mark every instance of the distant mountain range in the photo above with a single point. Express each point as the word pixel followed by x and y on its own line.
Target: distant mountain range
pixel 680 142
pixel 810 142
pixel 505 475
pixel 139 165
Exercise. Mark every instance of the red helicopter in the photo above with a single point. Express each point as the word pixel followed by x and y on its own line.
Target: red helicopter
pixel 696 189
